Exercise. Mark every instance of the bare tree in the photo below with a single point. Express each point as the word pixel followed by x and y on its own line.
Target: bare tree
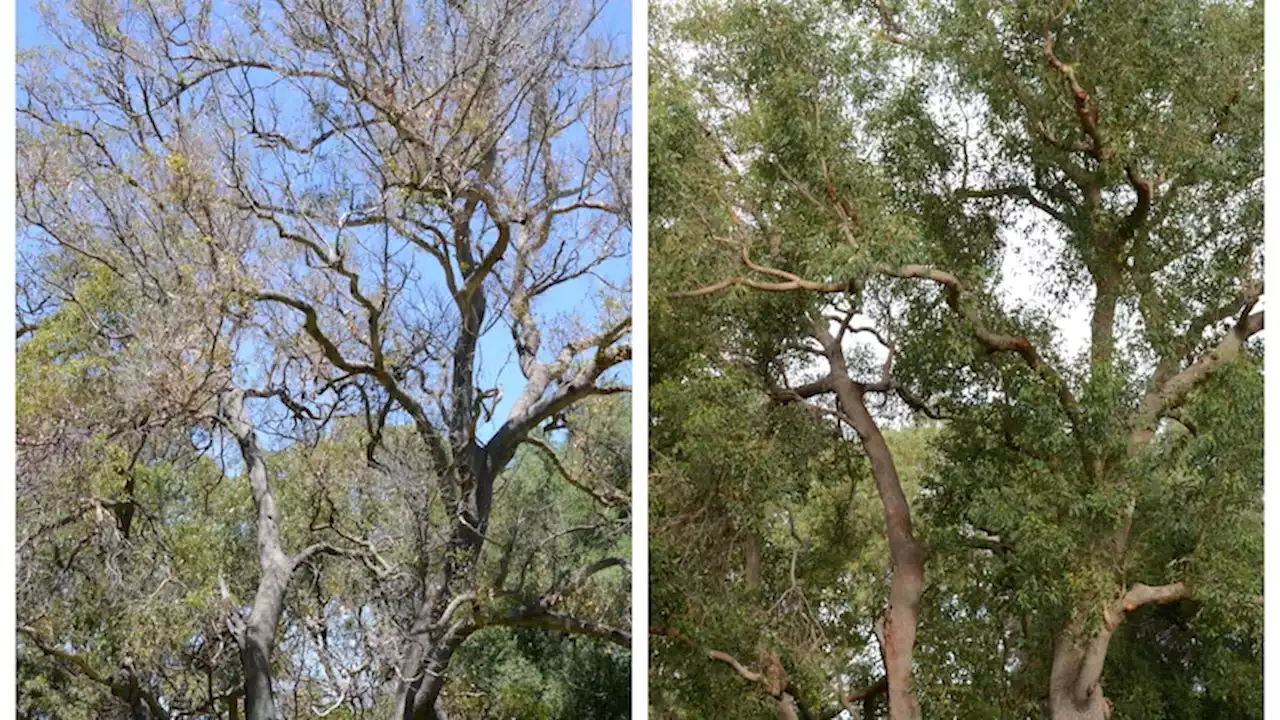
pixel 342 209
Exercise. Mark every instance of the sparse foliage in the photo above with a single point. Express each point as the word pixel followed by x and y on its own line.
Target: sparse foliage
pixel 293 282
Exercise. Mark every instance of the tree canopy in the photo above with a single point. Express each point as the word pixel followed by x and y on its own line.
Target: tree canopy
pixel 323 329
pixel 956 359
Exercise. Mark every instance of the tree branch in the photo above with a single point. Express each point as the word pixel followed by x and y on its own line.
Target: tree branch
pixel 997 342
pixel 127 692
pixel 537 618
pixel 605 495
pixel 1173 392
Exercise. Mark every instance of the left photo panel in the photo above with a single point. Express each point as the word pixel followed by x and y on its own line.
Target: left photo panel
pixel 324 359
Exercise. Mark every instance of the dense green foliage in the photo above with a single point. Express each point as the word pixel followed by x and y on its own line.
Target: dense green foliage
pixel 1050 159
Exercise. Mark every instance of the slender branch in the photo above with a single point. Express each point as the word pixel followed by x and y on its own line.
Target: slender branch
pixel 1086 111
pixel 789 286
pixel 998 342
pixel 128 692
pixel 559 623
pixel 605 495
pixel 1016 191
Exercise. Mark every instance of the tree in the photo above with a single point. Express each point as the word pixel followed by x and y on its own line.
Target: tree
pixel 827 173
pixel 287 246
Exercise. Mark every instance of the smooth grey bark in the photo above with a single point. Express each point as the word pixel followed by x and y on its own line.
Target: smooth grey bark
pixel 256 634
pixel 787 708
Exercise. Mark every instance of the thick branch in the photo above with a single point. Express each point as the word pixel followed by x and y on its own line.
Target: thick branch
pixel 1095 654
pixel 1173 392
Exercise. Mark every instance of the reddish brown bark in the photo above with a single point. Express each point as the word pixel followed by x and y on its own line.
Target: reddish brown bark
pixel 905 552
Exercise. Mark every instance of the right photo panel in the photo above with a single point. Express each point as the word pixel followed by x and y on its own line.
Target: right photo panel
pixel 956 322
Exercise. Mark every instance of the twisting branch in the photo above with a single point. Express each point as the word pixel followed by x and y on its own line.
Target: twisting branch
pixel 998 342
pixel 1086 110
pixel 874 690
pixel 311 324
pixel 780 692
pixel 891 29
pixel 1137 596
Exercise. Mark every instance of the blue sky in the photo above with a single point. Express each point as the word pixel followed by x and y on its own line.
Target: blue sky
pixel 497 362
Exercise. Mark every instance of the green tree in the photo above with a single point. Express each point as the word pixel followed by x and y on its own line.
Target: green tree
pixel 954 182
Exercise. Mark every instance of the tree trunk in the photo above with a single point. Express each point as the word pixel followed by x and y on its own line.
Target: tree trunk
pixel 432 646
pixel 899 635
pixel 257 636
pixel 787 708
pixel 752 561
pixel 1102 324
pixel 258 640
pixel 1072 695
pixel 1075 681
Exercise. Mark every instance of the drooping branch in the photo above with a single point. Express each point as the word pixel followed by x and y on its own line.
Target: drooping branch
pixel 783 692
pixel 126 687
pixel 740 669
pixel 603 494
